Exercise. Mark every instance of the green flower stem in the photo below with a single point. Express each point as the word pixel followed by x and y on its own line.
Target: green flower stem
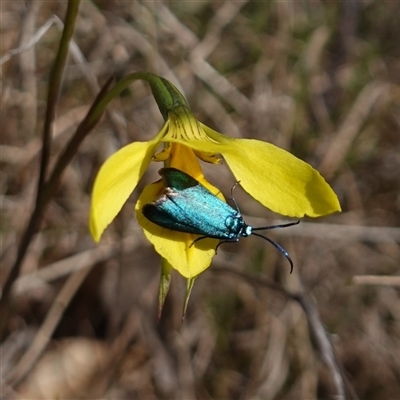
pixel 189 287
pixel 165 93
pixel 47 192
pixel 41 201
pixel 92 118
pixel 54 90
pixel 165 282
pixel 167 97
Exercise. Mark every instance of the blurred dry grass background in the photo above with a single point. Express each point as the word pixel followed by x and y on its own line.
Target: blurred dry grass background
pixel 321 79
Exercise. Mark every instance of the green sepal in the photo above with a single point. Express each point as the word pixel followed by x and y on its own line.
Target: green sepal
pixel 167 96
pixel 189 287
pixel 165 282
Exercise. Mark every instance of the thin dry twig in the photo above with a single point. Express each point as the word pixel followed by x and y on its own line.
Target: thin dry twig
pixel 45 332
pixel 323 343
pixel 79 266
pixel 314 320
pixel 125 32
pixel 33 40
pixel 22 156
pixel 45 189
pixel 201 68
pixel 76 262
pixel 275 367
pixel 76 54
pixel 376 280
pixel 27 63
pixel 223 17
pixel 313 62
pixel 104 376
pixel 350 233
pixel 50 187
pixel 350 127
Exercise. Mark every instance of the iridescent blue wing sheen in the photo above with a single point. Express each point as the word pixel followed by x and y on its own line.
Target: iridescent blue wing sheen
pixel 188 206
pixel 165 213
pixel 178 180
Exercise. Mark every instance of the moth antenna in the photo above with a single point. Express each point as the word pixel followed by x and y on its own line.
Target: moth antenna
pixel 276 226
pixel 233 197
pixel 279 247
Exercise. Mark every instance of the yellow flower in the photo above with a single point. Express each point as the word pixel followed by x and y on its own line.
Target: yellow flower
pixel 273 176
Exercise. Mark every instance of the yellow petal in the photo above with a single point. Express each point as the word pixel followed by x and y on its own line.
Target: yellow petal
pixel 279 180
pixel 176 247
pixel 115 181
pixel 273 176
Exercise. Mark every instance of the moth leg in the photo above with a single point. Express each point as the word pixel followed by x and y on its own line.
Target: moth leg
pixel 198 239
pixel 219 244
pixel 226 241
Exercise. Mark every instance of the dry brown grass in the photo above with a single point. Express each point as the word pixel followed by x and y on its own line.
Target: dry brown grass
pixel 318 78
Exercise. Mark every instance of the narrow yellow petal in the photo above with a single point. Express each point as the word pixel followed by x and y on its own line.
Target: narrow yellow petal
pixel 279 180
pixel 115 181
pixel 273 176
pixel 176 247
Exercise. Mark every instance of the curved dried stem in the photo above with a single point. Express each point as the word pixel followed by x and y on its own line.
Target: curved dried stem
pixel 315 324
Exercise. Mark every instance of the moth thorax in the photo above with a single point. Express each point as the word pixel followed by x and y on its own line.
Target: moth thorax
pixel 235 226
